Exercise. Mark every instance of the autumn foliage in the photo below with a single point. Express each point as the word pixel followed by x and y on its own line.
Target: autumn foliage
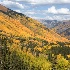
pixel 26 44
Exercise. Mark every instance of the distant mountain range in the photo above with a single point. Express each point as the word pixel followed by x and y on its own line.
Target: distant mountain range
pixel 61 27
pixel 50 23
pixel 66 33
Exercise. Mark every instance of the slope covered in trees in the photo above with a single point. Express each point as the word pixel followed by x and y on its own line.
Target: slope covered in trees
pixel 34 26
pixel 26 44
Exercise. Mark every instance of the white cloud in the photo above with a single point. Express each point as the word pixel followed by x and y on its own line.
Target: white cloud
pixel 54 17
pixel 34 17
pixel 52 10
pixel 60 14
pixel 18 11
pixel 30 12
pixel 11 4
pixel 60 17
pixel 45 1
pixel 62 11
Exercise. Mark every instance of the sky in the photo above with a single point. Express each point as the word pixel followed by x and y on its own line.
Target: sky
pixel 41 9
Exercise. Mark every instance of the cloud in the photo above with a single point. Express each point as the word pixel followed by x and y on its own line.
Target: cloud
pixel 11 4
pixel 52 10
pixel 61 11
pixel 54 17
pixel 58 17
pixel 29 12
pixel 52 13
pixel 45 1
pixel 34 17
pixel 18 11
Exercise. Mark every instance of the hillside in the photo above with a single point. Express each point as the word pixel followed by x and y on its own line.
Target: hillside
pixel 3 8
pixel 35 26
pixel 66 33
pixel 63 29
pixel 26 44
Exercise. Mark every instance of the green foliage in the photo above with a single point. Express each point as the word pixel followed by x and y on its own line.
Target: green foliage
pixel 16 61
pixel 28 45
pixel 62 64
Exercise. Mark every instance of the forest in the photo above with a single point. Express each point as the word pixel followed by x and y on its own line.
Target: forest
pixel 26 44
pixel 22 55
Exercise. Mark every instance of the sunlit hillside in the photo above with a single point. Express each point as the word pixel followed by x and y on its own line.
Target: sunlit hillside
pixel 26 44
pixel 36 27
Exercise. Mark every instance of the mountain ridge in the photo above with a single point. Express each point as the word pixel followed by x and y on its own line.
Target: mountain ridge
pixel 34 26
pixel 64 27
pixel 3 8
pixel 26 44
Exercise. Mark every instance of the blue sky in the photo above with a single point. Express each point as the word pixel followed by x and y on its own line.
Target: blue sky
pixel 41 9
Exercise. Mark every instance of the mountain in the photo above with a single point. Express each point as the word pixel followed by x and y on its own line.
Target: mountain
pixel 66 33
pixel 63 29
pixel 60 27
pixel 3 8
pixel 49 23
pixel 26 44
pixel 34 26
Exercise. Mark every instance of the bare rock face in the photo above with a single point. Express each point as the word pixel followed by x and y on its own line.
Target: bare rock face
pixel 3 8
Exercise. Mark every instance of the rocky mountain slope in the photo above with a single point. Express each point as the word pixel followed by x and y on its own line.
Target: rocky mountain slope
pixel 49 23
pixel 63 29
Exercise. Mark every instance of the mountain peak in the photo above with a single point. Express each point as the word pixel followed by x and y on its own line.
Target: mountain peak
pixel 3 8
